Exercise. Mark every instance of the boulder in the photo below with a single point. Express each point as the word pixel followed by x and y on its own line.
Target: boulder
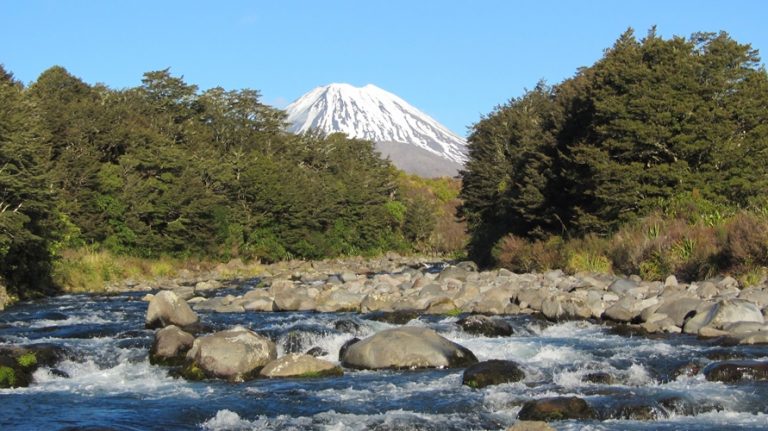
pixel 168 309
pixel 339 300
pixel 736 371
pixel 299 365
pixel 493 372
pixel 478 324
pixel 236 355
pixel 621 286
pixel 407 347
pixel 296 299
pixel 453 272
pixel 170 346
pixel 556 409
pixel 730 311
pixel 260 304
pixel 681 308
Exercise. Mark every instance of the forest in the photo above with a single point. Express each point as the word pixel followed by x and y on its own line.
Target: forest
pixel 652 161
pixel 164 169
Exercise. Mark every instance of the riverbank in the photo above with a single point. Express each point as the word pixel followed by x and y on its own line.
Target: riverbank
pixel 409 286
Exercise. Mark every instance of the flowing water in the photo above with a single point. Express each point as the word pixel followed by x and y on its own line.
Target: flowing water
pixel 107 382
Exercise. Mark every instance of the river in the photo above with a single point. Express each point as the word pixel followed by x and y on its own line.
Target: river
pixel 107 381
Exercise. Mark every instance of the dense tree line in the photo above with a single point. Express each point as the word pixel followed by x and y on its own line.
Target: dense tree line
pixel 166 169
pixel 651 120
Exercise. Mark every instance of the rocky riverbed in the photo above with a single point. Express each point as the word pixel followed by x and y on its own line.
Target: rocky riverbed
pixel 399 344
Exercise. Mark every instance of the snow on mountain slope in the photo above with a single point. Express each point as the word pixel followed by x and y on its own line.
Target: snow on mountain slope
pixel 373 114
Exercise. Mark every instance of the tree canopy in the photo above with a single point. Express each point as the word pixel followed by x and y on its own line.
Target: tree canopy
pixel 167 169
pixel 653 118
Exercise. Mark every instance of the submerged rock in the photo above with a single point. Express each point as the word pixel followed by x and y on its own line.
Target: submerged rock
pixel 298 365
pixel 493 372
pixel 407 347
pixel 556 409
pixel 599 378
pixel 236 355
pixel 483 325
pixel 168 309
pixel 400 317
pixel 736 371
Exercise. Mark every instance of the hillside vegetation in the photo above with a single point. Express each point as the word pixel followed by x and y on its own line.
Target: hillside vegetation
pixel 651 161
pixel 166 172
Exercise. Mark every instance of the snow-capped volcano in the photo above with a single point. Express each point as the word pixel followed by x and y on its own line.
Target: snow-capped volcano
pixel 377 115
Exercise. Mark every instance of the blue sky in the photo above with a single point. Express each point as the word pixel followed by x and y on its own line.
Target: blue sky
pixel 455 60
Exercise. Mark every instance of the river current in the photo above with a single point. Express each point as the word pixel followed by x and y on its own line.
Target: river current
pixel 107 381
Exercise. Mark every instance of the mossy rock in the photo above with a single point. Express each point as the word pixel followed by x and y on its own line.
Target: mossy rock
pixel 193 372
pixel 27 360
pixel 7 377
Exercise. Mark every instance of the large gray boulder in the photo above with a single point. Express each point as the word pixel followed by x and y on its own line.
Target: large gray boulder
pixel 166 308
pixel 407 347
pixel 236 355
pixel 724 314
pixel 170 346
pixel 300 365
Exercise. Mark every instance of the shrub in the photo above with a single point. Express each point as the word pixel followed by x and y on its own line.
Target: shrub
pixel 746 241
pixel 520 255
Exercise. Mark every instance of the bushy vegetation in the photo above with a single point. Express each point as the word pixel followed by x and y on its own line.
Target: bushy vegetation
pixel 653 247
pixel 167 172
pixel 651 161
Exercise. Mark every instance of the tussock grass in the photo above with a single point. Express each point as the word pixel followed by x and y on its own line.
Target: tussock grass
pixel 688 246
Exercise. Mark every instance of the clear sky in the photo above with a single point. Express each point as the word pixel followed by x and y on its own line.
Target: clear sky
pixel 453 59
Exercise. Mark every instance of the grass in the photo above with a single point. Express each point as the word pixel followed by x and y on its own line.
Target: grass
pixel 89 270
pixel 683 244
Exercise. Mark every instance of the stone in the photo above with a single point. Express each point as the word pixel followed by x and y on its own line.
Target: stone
pixel 493 372
pixel 168 309
pixel 170 346
pixel 530 426
pixel 294 299
pixel 348 277
pixel 339 300
pixel 478 324
pixel 621 286
pixel 236 355
pixel 260 304
pixel 346 345
pixel 467 266
pixel 671 281
pixel 736 371
pixel 301 366
pixel 556 409
pixel 207 285
pixel 733 310
pixel 407 347
pixel 454 272
pixel 680 309
pixel 552 309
